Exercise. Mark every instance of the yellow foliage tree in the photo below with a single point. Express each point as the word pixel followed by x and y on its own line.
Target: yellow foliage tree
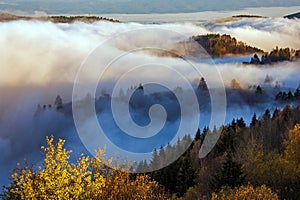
pixel 57 179
pixel 279 171
pixel 245 192
pixel 292 146
pixel 120 184
pixel 85 179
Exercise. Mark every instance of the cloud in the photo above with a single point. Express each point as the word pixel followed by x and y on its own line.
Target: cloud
pixel 285 72
pixel 40 60
pixel 42 52
pixel 265 33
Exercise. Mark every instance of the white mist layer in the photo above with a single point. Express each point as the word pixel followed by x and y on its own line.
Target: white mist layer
pixel 39 60
pixel 264 33
pixel 43 53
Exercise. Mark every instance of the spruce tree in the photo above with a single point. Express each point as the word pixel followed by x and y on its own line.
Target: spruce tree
pixel 230 175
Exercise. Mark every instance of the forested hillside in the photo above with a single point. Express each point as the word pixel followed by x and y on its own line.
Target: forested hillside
pixel 221 45
pixel 264 153
pixel 276 55
pixel 258 161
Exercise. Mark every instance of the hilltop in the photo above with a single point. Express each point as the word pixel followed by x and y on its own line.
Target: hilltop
pixel 6 17
pixel 236 18
pixel 214 45
pixel 221 45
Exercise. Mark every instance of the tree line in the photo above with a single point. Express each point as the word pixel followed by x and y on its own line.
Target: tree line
pixel 218 45
pixel 256 161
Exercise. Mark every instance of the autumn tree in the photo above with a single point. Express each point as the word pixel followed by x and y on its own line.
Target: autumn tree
pixel 281 172
pixel 85 179
pixel 57 178
pixel 234 84
pixel 246 192
pixel 292 146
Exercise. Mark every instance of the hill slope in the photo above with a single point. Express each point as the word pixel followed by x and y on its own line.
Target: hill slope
pixel 292 16
pixel 221 45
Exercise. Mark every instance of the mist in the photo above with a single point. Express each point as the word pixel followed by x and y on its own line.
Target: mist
pixel 40 60
pixel 264 33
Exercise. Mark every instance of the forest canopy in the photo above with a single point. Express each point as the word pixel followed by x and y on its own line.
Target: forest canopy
pixel 259 161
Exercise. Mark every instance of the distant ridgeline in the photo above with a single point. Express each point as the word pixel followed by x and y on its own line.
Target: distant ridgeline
pixel 276 55
pixel 218 45
pixel 293 16
pixel 71 19
pixel 6 17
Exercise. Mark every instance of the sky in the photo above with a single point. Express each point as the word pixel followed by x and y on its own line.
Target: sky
pixel 134 6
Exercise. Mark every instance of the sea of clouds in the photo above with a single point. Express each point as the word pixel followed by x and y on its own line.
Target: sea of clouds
pixel 40 60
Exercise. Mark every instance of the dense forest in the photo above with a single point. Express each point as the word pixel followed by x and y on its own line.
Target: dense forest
pixel 263 154
pixel 258 161
pixel 218 45
pixel 221 45
pixel 276 55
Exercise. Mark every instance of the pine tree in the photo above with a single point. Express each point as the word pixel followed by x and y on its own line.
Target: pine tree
pixel 241 123
pixel 258 90
pixel 267 81
pixel 58 103
pixel 202 85
pixel 267 115
pixel 275 114
pixel 230 175
pixel 198 135
pixel 254 120
pixel 162 157
pixel 286 114
pixel 155 160
pixel 185 176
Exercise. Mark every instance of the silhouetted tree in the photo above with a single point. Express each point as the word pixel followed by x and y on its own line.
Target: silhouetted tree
pixel 267 81
pixel 241 123
pixel 198 135
pixel 254 120
pixel 275 114
pixel 58 103
pixel 258 90
pixel 202 85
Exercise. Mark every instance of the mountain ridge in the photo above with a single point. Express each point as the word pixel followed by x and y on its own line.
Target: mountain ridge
pixel 7 17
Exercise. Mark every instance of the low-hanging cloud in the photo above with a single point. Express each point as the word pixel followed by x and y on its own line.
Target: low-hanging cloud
pixel 264 33
pixel 39 60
